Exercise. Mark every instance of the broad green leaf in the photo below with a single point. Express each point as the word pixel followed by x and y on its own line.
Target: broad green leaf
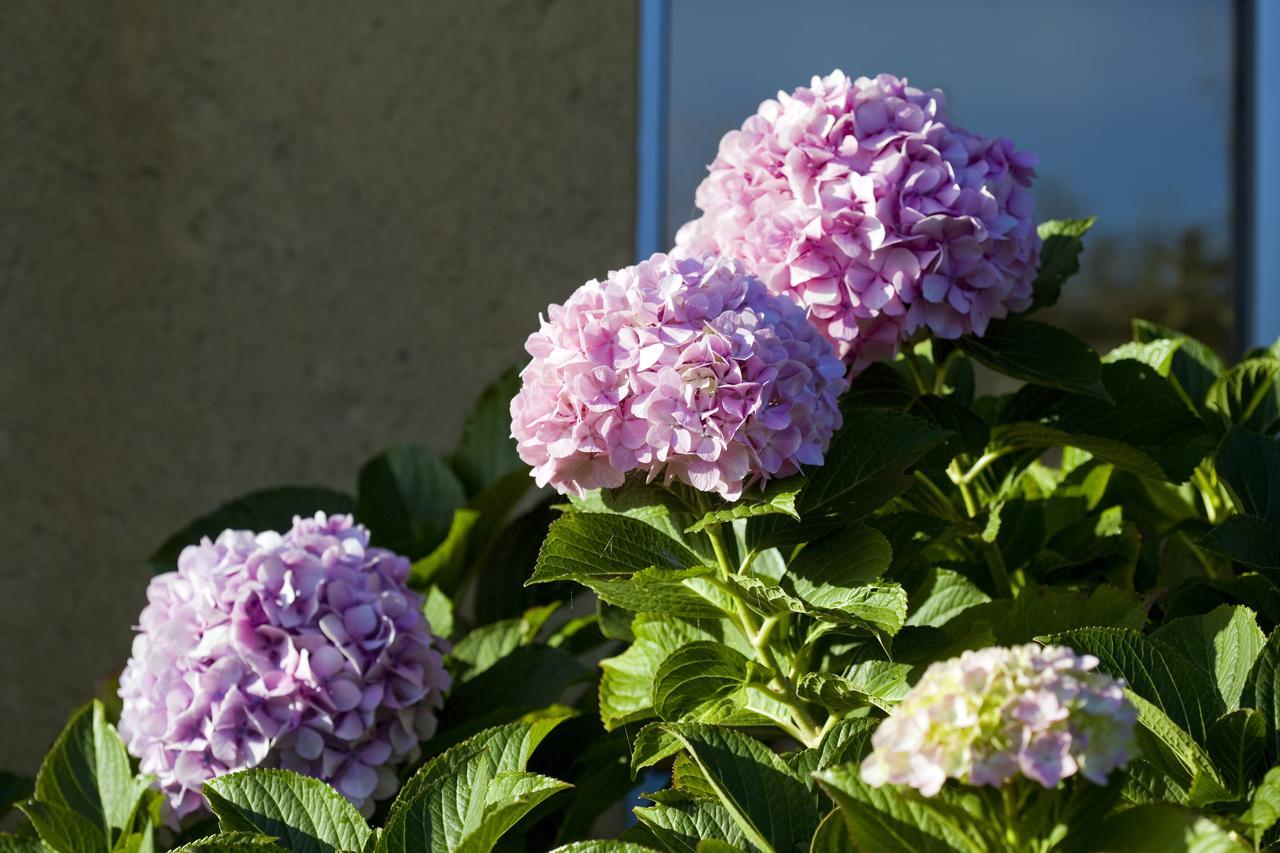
pixel 452 796
pixel 1159 674
pixel 701 681
pixel 603 846
pixel 87 771
pixel 1168 747
pixel 876 682
pixel 1039 354
pixel 488 644
pixel 528 679
pixel 680 823
pixel 655 742
pixel 881 606
pixel 1247 539
pixel 63 829
pixel 1248 395
pixel 510 796
pixel 866 465
pixel 1262 691
pixel 1264 810
pixel 1222 644
pixel 305 813
pixel 892 819
pixel 1249 464
pixel 584 545
pixel 1059 257
pixel 1147 430
pixel 1195 366
pixel 772 807
pixel 778 498
pixel 407 496
pixel 1042 610
pixel 943 596
pixel 445 564
pixel 230 842
pixel 832 835
pixel 856 555
pixel 969 432
pixel 268 509
pixel 486 451
pixel 1237 744
pixel 658 590
pixel 627 680
pixel 22 844
pixel 1158 828
pixel 1157 354
pixel 438 609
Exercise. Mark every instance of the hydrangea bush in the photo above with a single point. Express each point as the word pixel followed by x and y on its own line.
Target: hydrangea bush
pixel 795 577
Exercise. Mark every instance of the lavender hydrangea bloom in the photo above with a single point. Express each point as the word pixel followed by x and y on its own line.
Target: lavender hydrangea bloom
pixel 305 651
pixel 686 369
pixel 989 715
pixel 861 201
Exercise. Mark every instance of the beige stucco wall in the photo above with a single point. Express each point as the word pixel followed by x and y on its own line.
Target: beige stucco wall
pixel 250 243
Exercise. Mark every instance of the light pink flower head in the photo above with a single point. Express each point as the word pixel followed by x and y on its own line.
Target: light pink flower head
pixel 685 369
pixel 305 651
pixel 990 715
pixel 861 201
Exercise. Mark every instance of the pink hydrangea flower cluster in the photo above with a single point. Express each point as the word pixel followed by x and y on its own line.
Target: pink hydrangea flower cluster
pixel 304 651
pixel 989 715
pixel 686 369
pixel 861 201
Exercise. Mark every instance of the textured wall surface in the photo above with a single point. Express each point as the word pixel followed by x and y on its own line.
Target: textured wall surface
pixel 248 243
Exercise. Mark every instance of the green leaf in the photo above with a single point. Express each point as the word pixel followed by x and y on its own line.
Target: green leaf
pixel 878 683
pixel 445 564
pixel 627 680
pixel 832 835
pixel 87 771
pixel 1262 691
pixel 866 466
pixel 603 846
pixel 454 794
pixel 943 595
pixel 1158 828
pixel 881 606
pixel 1221 644
pixel 856 555
pixel 778 497
pixel 658 590
pixel 22 844
pixel 1169 748
pixel 1059 257
pixel 269 509
pixel 1249 464
pixel 680 823
pixel 438 609
pixel 1040 354
pixel 1248 395
pixel 771 807
pixel 1040 610
pixel 588 545
pixel 969 432
pixel 1154 671
pixel 510 797
pixel 702 681
pixel 1246 539
pixel 1237 744
pixel 230 842
pixel 1195 366
pixel 488 644
pixel 486 451
pixel 1264 810
pixel 407 498
pixel 891 819
pixel 1157 354
pixel 63 829
pixel 1148 430
pixel 305 813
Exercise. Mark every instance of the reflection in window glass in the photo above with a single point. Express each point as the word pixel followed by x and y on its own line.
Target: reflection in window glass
pixel 1126 105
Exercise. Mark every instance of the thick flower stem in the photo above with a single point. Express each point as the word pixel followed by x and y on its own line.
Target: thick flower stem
pixel 758 634
pixel 958 477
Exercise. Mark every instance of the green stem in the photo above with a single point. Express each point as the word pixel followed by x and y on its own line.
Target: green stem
pixel 1206 483
pixel 913 367
pixel 983 461
pixel 957 477
pixel 999 572
pixel 940 496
